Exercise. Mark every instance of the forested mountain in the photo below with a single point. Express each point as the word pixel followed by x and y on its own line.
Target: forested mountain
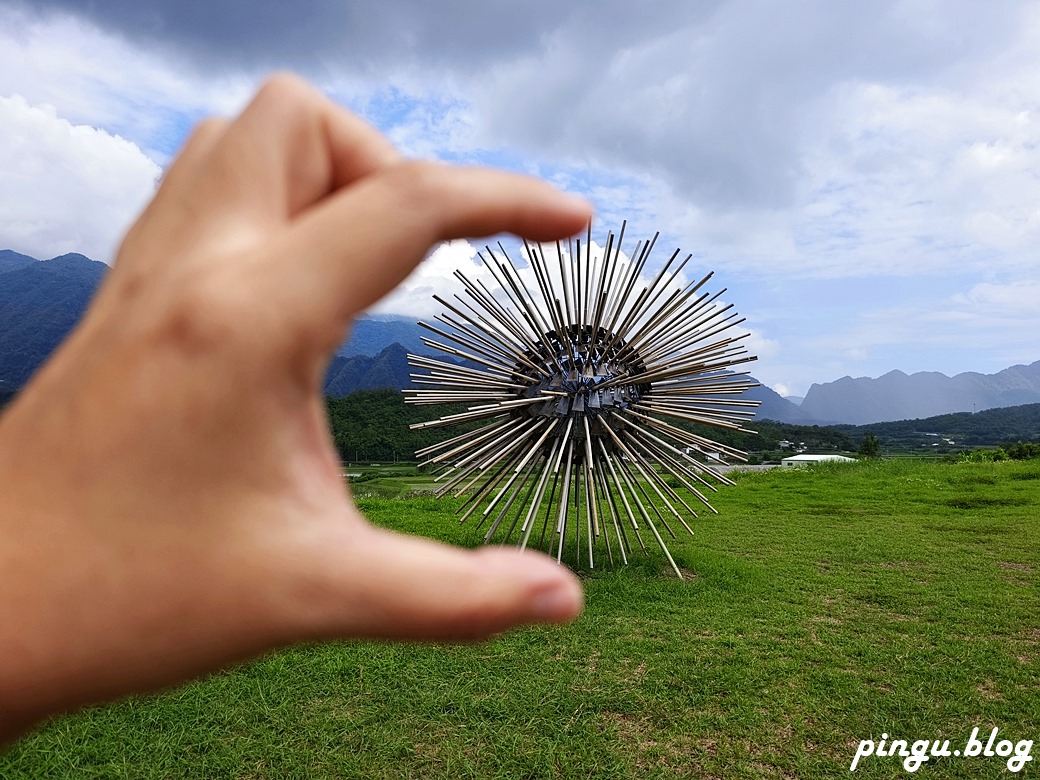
pixel 388 369
pixel 773 406
pixel 371 335
pixel 40 302
pixel 372 425
pixel 12 261
pixel 962 429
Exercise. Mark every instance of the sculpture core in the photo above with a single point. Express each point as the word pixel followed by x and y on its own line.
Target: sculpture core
pixel 584 375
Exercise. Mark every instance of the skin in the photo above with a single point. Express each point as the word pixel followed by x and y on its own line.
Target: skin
pixel 170 500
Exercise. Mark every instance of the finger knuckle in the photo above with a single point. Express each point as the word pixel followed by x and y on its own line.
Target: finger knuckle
pixel 200 320
pixel 416 185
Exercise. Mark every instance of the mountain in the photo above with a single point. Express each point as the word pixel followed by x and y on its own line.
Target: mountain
pixel 900 396
pixel 40 302
pixel 958 429
pixel 371 335
pixel 389 368
pixel 777 408
pixel 13 261
pixel 363 362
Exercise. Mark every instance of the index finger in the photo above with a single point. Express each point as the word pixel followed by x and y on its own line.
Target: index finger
pixel 361 242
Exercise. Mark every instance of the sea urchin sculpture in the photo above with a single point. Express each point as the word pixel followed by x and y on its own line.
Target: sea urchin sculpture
pixel 570 389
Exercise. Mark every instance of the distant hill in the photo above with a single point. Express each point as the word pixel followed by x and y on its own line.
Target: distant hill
pixel 388 369
pixel 40 302
pixel 957 430
pixel 776 407
pixel 900 396
pixel 375 356
pixel 371 335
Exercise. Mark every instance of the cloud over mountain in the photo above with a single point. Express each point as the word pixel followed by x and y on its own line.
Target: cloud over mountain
pixel 66 187
pixel 862 176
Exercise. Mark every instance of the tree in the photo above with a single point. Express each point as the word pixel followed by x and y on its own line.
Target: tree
pixel 871 447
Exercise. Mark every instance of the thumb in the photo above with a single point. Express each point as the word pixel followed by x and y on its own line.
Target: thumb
pixel 403 587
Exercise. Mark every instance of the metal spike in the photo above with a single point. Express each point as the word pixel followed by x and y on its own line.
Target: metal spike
pixel 569 371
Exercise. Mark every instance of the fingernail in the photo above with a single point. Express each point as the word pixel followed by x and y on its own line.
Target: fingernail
pixel 558 603
pixel 575 202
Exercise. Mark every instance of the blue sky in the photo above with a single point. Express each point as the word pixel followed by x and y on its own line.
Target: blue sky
pixel 863 178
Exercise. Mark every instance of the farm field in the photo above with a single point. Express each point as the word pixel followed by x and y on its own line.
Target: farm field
pixel 823 606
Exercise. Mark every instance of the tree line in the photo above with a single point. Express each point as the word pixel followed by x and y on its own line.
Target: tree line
pixel 372 426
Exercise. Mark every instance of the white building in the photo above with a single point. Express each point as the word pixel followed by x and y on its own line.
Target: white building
pixel 805 460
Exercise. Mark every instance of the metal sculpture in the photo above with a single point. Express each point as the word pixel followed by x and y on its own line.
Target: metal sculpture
pixel 568 389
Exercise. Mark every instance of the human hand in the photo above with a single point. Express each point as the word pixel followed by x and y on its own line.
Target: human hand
pixel 170 501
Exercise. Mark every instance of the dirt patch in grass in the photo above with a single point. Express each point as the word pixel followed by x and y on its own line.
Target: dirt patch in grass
pixel 593 663
pixel 1019 574
pixel 635 731
pixel 634 675
pixel 1025 568
pixel 1025 648
pixel 988 691
pixel 974 479
pixel 768 770
pixel 653 751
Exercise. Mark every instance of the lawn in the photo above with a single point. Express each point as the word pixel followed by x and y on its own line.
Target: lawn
pixel 825 606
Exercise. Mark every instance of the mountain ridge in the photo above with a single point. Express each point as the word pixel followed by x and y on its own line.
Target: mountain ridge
pixel 897 395
pixel 41 301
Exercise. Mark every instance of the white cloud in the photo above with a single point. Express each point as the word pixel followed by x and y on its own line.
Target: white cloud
pixel 866 178
pixel 809 139
pixel 65 187
pixel 97 78
pixel 414 296
pixel 1017 300
pixel 760 346
pixel 910 182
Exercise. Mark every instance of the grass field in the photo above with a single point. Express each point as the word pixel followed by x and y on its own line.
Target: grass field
pixel 825 606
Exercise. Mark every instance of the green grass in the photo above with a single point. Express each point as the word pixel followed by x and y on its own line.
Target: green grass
pixel 826 605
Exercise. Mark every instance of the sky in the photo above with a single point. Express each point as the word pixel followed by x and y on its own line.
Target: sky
pixel 862 178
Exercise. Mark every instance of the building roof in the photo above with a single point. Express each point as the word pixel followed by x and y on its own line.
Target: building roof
pixel 816 458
